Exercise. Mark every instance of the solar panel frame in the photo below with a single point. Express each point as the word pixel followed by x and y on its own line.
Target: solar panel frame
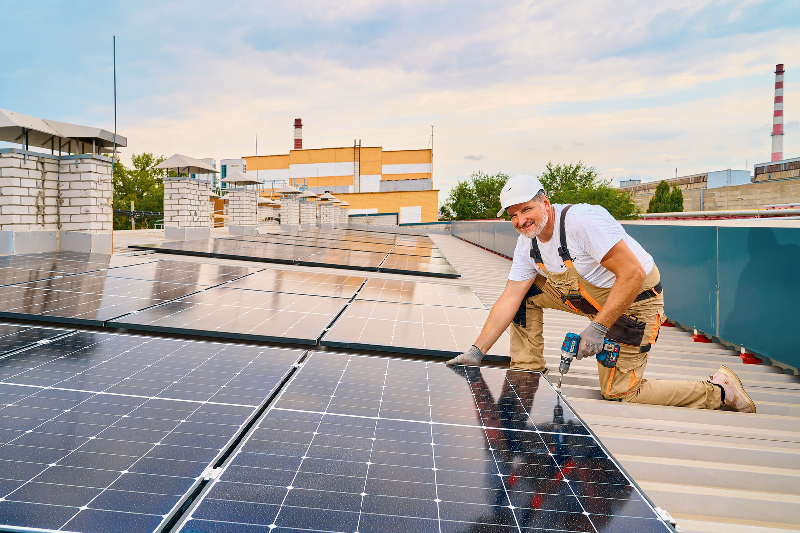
pixel 114 428
pixel 330 455
pixel 14 337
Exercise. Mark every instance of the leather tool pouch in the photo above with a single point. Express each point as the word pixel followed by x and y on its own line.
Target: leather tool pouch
pixel 580 303
pixel 627 330
pixel 520 318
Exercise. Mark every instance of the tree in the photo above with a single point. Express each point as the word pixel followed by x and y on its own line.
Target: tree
pixel 660 202
pixel 474 198
pixel 676 200
pixel 143 184
pixel 664 201
pixel 575 183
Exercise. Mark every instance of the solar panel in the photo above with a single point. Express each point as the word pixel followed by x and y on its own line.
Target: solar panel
pixel 413 292
pixel 107 433
pixel 240 314
pixel 13 337
pixel 375 445
pixel 297 282
pixel 409 264
pixel 85 299
pixel 386 252
pixel 409 328
pixel 31 267
pixel 186 272
pixel 344 259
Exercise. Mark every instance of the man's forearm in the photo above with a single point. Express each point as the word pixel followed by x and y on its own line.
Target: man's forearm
pixel 500 317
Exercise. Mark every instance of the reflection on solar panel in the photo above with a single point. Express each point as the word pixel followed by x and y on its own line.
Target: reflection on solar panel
pixel 362 250
pixel 15 337
pixel 296 282
pixel 420 329
pixel 376 445
pixel 85 298
pixel 344 259
pixel 241 314
pixel 412 292
pixel 32 267
pixel 107 433
pixel 190 273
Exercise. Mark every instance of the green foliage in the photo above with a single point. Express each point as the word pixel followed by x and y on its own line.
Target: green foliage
pixel 576 183
pixel 664 201
pixel 676 200
pixel 475 198
pixel 143 184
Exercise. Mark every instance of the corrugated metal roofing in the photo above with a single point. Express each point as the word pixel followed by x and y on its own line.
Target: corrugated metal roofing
pixel 714 471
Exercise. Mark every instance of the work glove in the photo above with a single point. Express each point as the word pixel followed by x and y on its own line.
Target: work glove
pixel 472 357
pixel 591 340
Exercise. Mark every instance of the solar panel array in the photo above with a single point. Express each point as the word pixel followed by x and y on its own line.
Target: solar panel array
pixel 352 249
pixel 106 433
pixel 373 444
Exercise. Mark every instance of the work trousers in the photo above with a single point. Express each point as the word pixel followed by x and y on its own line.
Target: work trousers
pixel 626 381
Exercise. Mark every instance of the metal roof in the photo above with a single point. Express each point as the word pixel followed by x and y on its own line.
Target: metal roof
pixel 184 163
pixel 42 133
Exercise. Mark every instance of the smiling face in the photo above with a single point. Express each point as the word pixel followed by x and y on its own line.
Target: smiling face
pixel 530 218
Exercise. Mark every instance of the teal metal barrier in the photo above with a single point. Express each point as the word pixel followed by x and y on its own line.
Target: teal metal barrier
pixel 739 284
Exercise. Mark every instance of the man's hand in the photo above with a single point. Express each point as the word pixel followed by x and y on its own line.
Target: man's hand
pixel 591 340
pixel 472 357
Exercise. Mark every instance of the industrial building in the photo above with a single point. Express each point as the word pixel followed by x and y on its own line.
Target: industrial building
pixel 372 180
pixel 773 183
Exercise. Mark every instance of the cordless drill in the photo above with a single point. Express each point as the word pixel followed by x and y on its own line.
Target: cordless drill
pixel 569 348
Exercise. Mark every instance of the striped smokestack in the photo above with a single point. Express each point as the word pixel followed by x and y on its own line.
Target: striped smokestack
pixel 777 116
pixel 298 134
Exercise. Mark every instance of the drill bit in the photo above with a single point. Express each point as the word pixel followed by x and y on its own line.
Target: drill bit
pixel 559 382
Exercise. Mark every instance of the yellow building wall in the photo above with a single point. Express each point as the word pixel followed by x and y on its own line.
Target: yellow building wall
pixel 267 162
pixel 407 157
pixel 371 161
pixel 391 202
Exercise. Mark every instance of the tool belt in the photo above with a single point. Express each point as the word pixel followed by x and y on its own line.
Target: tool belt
pixel 649 293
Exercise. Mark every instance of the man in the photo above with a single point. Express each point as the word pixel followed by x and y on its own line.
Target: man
pixel 578 259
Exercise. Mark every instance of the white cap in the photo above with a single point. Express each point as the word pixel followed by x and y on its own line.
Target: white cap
pixel 519 189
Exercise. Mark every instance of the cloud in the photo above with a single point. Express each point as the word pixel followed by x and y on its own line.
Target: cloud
pixel 474 157
pixel 617 170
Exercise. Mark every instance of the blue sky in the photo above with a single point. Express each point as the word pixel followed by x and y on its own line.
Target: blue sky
pixel 635 89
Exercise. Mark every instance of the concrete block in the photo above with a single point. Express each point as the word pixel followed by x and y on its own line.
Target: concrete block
pixel 80 241
pixel 243 230
pixel 28 242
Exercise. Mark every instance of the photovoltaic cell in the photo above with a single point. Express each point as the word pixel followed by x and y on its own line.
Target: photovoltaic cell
pixel 413 292
pixel 186 272
pixel 409 328
pixel 375 445
pixel 241 314
pixel 431 266
pixel 106 433
pixel 31 267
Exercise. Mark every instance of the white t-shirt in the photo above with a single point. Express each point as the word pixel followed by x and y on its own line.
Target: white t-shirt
pixel 591 233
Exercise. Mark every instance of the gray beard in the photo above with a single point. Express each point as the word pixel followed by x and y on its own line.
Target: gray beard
pixel 531 233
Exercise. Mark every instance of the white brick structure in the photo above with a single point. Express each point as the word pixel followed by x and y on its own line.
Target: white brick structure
pixel 308 214
pixel 187 204
pixel 54 194
pixel 327 215
pixel 344 214
pixel 242 208
pixel 290 212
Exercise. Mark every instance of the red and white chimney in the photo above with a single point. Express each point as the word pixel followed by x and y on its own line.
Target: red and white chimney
pixel 777 116
pixel 298 133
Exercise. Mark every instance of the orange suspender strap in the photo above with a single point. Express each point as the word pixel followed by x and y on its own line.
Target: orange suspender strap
pixel 588 297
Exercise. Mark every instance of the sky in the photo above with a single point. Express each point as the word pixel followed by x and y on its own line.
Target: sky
pixel 635 89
